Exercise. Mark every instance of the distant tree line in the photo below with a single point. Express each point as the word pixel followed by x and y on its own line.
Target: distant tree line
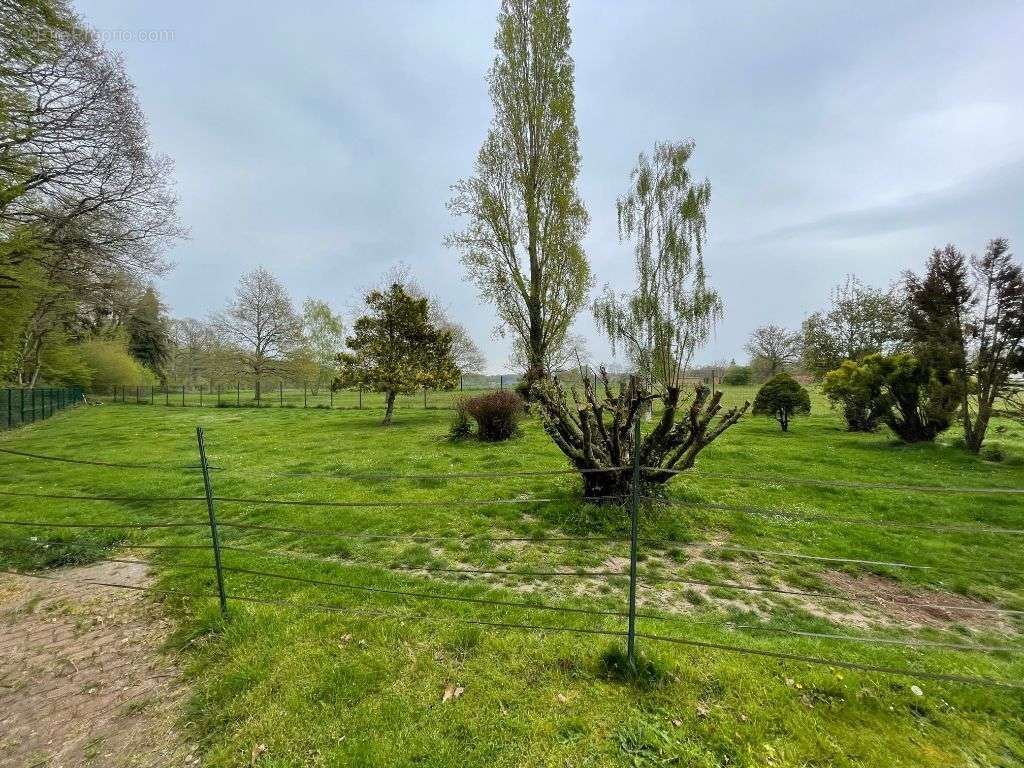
pixel 936 349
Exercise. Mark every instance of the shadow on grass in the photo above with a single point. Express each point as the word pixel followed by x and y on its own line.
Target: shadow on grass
pixel 647 672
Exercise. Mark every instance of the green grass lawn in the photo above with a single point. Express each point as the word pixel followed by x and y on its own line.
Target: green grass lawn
pixel 350 687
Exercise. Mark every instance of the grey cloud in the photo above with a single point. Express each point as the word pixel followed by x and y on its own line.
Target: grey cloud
pixel 320 139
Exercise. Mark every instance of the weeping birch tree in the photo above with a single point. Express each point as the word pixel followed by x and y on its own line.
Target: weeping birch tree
pixel 659 326
pixel 525 220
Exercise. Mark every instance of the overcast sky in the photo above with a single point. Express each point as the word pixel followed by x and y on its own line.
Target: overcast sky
pixel 320 139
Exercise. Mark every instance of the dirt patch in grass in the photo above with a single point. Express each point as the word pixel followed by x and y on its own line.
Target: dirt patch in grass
pixel 82 678
pixel 895 604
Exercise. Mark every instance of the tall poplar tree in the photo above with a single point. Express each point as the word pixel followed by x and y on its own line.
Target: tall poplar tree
pixel 521 244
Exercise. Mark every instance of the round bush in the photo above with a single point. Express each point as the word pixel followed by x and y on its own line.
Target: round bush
pixel 496 414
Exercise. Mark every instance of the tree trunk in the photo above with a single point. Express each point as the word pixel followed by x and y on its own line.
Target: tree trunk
pixel 390 408
pixel 974 433
pixel 612 486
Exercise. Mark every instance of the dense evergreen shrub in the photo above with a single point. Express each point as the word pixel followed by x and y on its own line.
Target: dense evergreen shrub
pixel 781 398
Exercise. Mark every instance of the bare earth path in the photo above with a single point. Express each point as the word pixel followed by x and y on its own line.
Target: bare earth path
pixel 82 680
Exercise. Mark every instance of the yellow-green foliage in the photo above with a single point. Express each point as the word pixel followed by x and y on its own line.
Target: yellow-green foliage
pixel 109 363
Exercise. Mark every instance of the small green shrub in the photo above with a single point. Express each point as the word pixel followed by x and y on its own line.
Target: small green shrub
pixel 781 398
pixel 857 390
pixel 461 427
pixel 496 414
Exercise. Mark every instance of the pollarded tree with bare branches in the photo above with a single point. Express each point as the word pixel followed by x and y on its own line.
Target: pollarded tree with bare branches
pixel 660 325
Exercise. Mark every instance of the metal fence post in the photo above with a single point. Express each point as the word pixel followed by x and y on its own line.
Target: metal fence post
pixel 218 394
pixel 280 394
pixel 424 398
pixel 238 393
pixel 214 534
pixel 303 393
pixel 33 391
pixel 22 419
pixel 360 398
pixel 331 390
pixel 200 395
pixel 501 382
pixel 634 517
pixel 182 395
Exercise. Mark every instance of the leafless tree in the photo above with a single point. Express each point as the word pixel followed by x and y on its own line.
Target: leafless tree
pixel 773 349
pixel 262 322
pixel 89 182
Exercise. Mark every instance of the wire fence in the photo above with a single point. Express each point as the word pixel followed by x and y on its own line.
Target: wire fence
pixel 290 394
pixel 257 554
pixel 27 405
pixel 283 393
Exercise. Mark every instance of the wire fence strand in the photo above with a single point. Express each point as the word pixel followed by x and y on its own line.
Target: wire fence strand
pixel 790 480
pixel 817 517
pixel 877 601
pixel 427 595
pixel 413 537
pixel 101 526
pixel 874 640
pixel 829 662
pixel 95 463
pixel 768 553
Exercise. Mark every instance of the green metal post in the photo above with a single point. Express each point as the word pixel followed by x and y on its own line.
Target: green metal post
pixel 280 394
pixel 22 420
pixel 182 395
pixel 303 393
pixel 634 518
pixel 424 398
pixel 238 393
pixel 215 535
pixel 200 395
pixel 331 390
pixel 33 406
pixel 360 398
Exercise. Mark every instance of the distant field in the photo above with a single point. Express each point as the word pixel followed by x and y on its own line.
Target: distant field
pixel 328 689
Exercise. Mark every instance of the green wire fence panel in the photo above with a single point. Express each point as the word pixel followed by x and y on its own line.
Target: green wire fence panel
pixel 23 405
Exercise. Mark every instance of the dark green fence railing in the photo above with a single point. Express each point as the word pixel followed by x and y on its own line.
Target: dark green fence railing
pixel 24 406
